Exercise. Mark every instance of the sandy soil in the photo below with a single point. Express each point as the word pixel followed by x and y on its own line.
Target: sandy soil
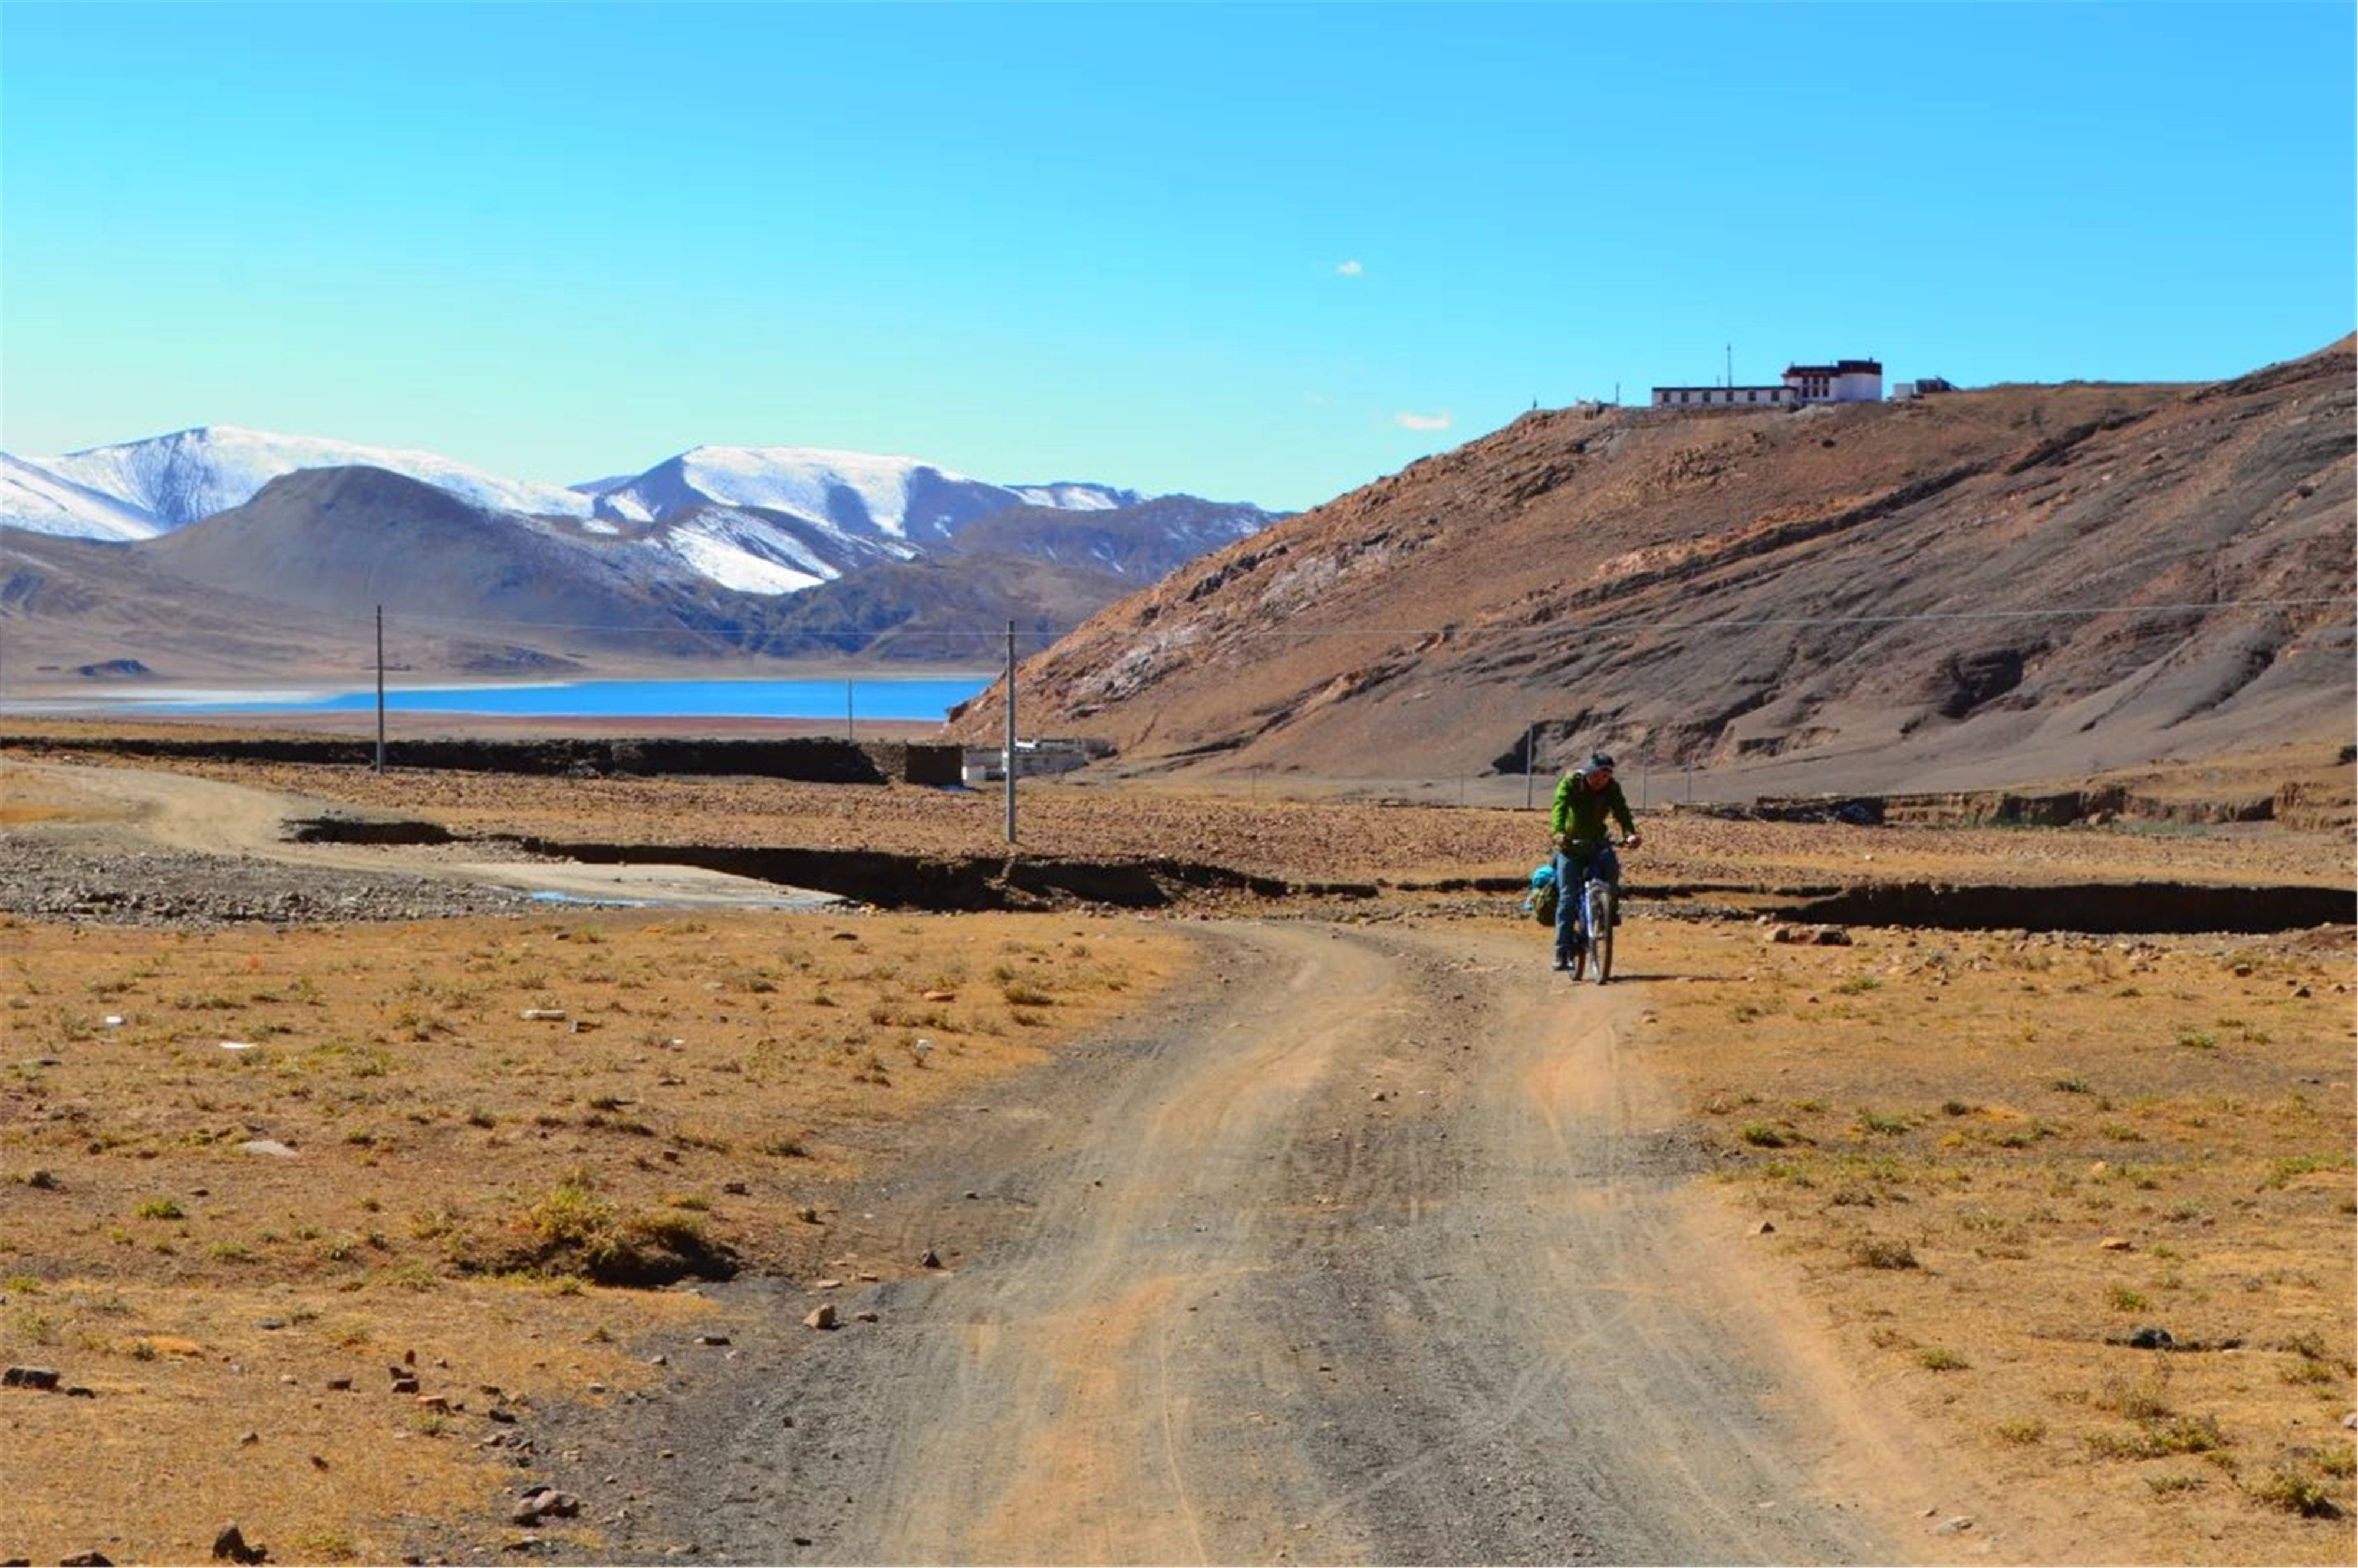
pixel 1368 1241
pixel 1374 1249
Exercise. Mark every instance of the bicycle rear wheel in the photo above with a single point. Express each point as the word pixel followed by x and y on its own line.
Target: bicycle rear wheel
pixel 1598 909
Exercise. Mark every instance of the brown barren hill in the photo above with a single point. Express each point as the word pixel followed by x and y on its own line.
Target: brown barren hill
pixel 1974 589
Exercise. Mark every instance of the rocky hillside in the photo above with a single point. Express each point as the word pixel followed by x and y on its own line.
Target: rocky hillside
pixel 1981 588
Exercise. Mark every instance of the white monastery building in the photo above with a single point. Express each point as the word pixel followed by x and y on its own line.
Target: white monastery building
pixel 1844 381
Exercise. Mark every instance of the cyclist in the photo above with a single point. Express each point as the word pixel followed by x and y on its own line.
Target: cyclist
pixel 1584 798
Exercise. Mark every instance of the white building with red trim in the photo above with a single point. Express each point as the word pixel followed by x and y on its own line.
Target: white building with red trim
pixel 1844 381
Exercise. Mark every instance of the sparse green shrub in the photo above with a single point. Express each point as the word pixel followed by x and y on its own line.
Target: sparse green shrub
pixel 2179 1434
pixel 2295 1492
pixel 1883 1253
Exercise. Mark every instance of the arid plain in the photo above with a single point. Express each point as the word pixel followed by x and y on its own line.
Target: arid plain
pixel 355 1228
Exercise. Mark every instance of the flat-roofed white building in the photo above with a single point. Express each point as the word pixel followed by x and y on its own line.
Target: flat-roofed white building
pixel 1724 396
pixel 1844 381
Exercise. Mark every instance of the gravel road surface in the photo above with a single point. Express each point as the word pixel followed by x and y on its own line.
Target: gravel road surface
pixel 1379 1249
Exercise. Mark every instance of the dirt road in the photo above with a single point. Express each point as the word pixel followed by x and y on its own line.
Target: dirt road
pixel 1379 1244
pixel 209 818
pixel 1382 1248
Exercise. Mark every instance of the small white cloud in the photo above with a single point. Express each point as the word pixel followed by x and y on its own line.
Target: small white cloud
pixel 1350 269
pixel 1408 421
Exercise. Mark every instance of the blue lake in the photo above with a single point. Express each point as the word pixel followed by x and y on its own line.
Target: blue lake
pixel 864 697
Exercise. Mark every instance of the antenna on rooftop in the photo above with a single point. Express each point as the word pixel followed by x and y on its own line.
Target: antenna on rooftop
pixel 1731 367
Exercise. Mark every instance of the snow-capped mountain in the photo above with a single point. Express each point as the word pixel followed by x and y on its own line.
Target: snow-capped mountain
pixel 174 480
pixel 759 520
pixel 854 492
pixel 34 499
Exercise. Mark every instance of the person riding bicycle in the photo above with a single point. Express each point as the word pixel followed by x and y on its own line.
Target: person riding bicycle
pixel 1584 798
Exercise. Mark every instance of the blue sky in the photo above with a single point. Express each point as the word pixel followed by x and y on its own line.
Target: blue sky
pixel 1254 251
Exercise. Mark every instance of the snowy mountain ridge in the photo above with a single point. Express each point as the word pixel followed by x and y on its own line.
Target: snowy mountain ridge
pixel 764 520
pixel 178 479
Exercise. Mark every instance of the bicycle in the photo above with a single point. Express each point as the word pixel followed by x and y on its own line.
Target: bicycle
pixel 1599 913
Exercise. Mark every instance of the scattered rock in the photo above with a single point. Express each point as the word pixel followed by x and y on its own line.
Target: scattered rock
pixel 270 1146
pixel 434 1402
pixel 542 1502
pixel 87 1560
pixel 1764 1229
pixel 1810 936
pixel 932 1259
pixel 712 1339
pixel 1957 1526
pixel 43 1181
pixel 2152 1338
pixel 658 1361
pixel 79 1392
pixel 2351 1421
pixel 270 1324
pixel 2115 1244
pixel 229 1546
pixel 825 1284
pixel 339 1385
pixel 543 1015
pixel 405 1384
pixel 821 1316
pixel 504 1417
pixel 735 1189
pixel 42 1378
pixel 248 1439
pixel 808 1214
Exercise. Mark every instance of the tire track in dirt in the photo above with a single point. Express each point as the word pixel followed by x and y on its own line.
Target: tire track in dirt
pixel 1244 1310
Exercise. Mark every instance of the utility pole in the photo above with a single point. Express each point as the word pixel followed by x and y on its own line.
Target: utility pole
pixel 379 688
pixel 1731 367
pixel 1010 731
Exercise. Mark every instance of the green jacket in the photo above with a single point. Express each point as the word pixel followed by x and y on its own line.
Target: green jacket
pixel 1579 811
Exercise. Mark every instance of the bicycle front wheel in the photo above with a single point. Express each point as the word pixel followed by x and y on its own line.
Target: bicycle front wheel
pixel 1599 911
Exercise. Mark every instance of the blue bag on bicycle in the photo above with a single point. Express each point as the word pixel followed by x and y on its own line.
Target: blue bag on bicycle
pixel 1542 903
